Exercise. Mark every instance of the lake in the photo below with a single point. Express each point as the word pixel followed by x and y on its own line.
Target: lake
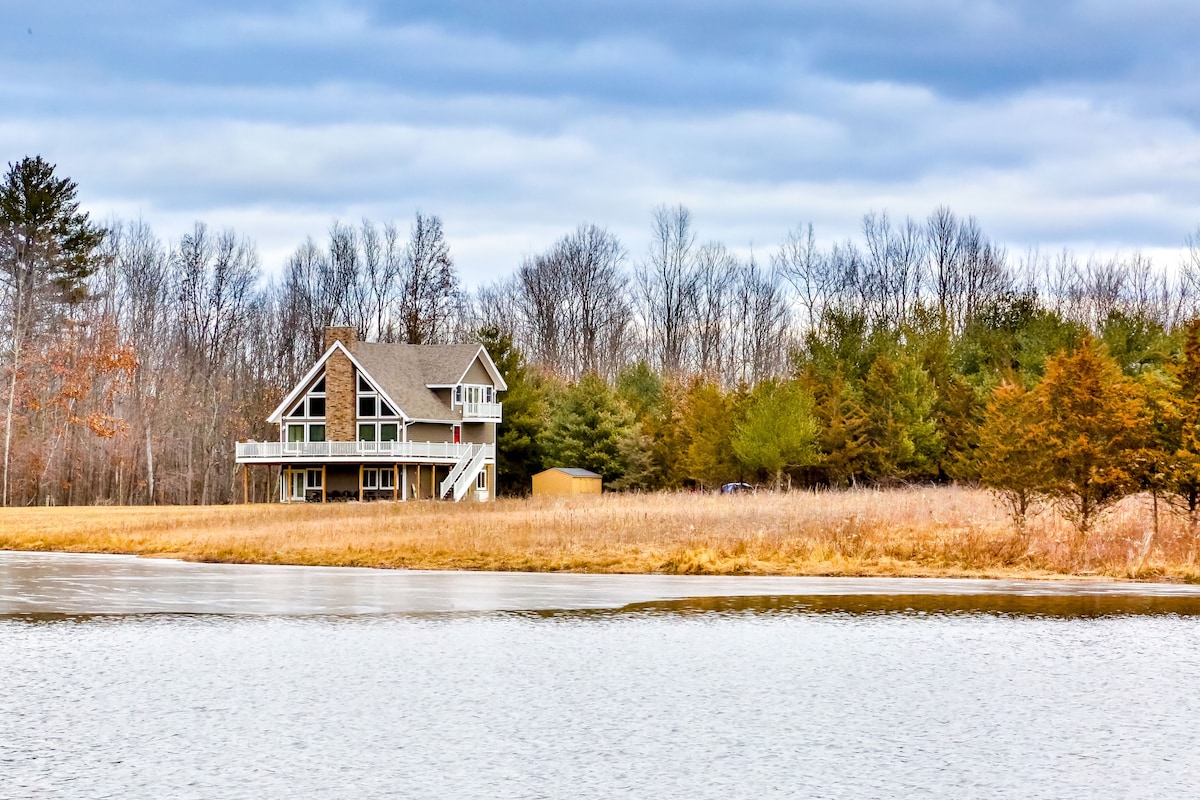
pixel 139 678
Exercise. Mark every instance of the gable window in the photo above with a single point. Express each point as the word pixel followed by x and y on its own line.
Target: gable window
pixel 312 404
pixel 295 433
pixel 371 403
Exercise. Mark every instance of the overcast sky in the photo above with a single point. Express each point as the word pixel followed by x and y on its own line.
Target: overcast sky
pixel 1055 123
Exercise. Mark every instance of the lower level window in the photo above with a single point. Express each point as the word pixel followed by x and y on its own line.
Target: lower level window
pixel 379 478
pixel 314 479
pixel 481 480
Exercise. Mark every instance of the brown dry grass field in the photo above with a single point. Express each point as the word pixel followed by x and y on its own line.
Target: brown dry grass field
pixel 945 531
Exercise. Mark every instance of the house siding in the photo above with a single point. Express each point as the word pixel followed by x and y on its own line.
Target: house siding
pixel 430 432
pixel 478 374
pixel 479 432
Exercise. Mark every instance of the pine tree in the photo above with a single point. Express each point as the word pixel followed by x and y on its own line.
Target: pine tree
pixel 1183 473
pixel 519 450
pixel 900 400
pixel 706 423
pixel 1094 422
pixel 588 428
pixel 47 253
pixel 1011 458
pixel 778 430
pixel 843 425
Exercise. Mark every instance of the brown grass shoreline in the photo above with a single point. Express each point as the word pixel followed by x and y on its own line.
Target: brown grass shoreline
pixel 920 532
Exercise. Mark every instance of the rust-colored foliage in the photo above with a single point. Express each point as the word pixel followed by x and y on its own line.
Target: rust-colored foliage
pixel 1094 423
pixel 1012 458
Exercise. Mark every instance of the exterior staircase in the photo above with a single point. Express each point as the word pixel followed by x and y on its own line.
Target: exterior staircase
pixel 466 470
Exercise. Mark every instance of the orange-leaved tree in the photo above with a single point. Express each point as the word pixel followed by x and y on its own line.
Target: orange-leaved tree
pixel 1094 423
pixel 1183 469
pixel 1011 457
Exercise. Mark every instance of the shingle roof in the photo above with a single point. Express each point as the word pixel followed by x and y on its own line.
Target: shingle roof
pixel 575 472
pixel 404 371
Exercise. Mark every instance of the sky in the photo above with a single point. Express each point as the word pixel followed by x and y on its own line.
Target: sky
pixel 1073 123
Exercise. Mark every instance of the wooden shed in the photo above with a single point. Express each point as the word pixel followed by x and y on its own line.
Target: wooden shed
pixel 566 480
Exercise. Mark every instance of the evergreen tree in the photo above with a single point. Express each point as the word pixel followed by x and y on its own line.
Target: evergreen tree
pixel 1094 422
pixel 778 430
pixel 1011 457
pixel 589 426
pixel 843 425
pixel 900 400
pixel 47 253
pixel 706 424
pixel 1183 471
pixel 519 450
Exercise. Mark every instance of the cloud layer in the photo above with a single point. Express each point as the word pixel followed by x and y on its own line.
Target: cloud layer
pixel 1055 123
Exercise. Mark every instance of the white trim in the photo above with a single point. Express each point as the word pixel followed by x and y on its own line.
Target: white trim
pixel 276 416
pixel 497 380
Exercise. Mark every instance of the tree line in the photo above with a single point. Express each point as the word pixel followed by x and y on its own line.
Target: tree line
pixel 132 363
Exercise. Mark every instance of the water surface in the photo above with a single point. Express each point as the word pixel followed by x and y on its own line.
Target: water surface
pixel 213 681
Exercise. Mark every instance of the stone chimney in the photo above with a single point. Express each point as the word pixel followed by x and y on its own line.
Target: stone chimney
pixel 339 386
pixel 348 336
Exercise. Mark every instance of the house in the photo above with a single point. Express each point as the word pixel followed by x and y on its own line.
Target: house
pixel 566 480
pixel 386 421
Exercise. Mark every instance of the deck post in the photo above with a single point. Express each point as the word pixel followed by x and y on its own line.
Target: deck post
pixel 404 483
pixel 245 484
pixel 395 481
pixel 361 499
pixel 324 482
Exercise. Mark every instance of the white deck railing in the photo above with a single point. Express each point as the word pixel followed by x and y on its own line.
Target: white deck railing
pixel 397 450
pixel 484 411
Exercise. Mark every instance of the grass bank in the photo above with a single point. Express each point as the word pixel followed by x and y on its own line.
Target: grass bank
pixel 946 531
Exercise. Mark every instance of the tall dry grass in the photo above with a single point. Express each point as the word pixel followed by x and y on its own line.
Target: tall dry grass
pixel 944 531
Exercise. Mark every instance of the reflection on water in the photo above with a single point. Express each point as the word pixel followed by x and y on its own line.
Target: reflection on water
pixel 59 583
pixel 634 692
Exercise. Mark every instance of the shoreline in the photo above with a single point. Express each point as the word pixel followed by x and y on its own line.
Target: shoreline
pixel 930 532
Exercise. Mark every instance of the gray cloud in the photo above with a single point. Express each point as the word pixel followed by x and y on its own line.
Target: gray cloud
pixel 1054 123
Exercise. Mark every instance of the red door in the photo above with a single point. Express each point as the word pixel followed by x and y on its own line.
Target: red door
pixel 457 434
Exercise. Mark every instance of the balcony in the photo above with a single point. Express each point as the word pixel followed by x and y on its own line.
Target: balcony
pixel 481 412
pixel 344 452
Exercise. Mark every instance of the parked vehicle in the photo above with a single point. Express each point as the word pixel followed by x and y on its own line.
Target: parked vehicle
pixel 737 488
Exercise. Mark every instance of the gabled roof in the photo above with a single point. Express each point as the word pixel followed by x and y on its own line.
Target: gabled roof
pixel 575 472
pixel 404 374
pixel 406 371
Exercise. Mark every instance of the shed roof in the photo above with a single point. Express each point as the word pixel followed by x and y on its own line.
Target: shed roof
pixel 574 472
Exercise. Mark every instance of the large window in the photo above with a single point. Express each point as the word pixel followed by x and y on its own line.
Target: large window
pixel 312 405
pixel 470 393
pixel 300 432
pixel 370 404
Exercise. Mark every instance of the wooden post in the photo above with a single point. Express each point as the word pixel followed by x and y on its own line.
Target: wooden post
pixel 287 484
pixel 395 481
pixel 418 481
pixel 245 484
pixel 404 483
pixel 360 484
pixel 324 482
